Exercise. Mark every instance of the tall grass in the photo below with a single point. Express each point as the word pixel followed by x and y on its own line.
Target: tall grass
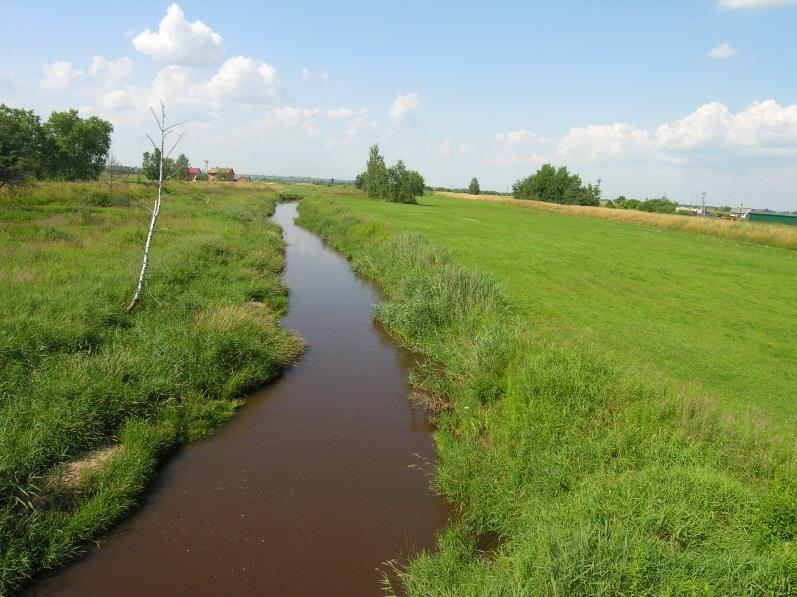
pixel 765 234
pixel 78 373
pixel 587 480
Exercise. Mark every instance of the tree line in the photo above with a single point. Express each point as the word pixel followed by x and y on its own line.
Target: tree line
pixel 173 168
pixel 657 205
pixel 64 147
pixel 397 183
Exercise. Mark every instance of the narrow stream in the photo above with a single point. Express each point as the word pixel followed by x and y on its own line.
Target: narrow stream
pixel 310 488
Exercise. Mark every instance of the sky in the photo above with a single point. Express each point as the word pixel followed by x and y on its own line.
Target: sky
pixel 649 97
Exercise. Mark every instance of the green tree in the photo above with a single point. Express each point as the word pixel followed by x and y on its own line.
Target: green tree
pixel 75 148
pixel 556 185
pixel 177 171
pixel 417 183
pixel 150 164
pixel 473 187
pixel 375 181
pixel 397 183
pixel 21 144
pixel 173 169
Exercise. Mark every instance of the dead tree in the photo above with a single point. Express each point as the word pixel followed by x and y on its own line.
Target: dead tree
pixel 165 132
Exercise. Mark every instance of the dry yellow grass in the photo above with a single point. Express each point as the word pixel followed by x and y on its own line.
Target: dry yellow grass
pixel 766 234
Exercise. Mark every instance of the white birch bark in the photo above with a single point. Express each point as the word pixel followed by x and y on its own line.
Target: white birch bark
pixel 164 130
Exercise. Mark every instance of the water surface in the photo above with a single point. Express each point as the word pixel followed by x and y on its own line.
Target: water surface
pixel 310 488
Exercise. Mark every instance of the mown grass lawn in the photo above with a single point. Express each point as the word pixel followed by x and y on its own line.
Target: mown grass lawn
pixel 714 316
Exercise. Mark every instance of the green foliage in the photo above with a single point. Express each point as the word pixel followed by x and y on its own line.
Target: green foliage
pixel 556 185
pixel 78 373
pixel 66 147
pixel 590 479
pixel 173 169
pixel 659 205
pixel 76 148
pixel 396 184
pixel 473 187
pixel 21 145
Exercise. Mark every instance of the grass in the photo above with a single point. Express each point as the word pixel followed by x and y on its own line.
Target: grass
pixel 766 234
pixel 703 315
pixel 583 476
pixel 78 374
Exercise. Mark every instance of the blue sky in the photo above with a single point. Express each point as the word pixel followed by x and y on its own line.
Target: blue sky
pixel 649 97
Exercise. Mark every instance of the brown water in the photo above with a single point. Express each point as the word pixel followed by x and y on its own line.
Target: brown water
pixel 310 488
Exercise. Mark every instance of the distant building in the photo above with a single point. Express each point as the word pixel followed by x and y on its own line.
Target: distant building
pixel 192 173
pixel 221 174
pixel 242 178
pixel 687 209
pixel 740 212
pixel 772 217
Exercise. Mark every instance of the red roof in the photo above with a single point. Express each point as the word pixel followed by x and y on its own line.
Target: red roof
pixel 193 170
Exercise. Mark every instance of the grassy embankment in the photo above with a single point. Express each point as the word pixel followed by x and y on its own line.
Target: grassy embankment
pixel 593 478
pixel 92 398
pixel 774 235
pixel 703 315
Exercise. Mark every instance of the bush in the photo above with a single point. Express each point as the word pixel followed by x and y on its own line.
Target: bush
pixel 556 186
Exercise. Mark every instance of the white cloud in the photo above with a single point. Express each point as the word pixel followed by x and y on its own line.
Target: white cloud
pixel 238 82
pixel 111 70
pixel 362 128
pixel 764 127
pixel 519 137
pixel 722 52
pixel 604 141
pixel 59 75
pixel 403 107
pixel 761 128
pixel 709 122
pixel 339 113
pixel 753 4
pixel 180 42
pixel 322 76
pixel 298 118
pixel 246 80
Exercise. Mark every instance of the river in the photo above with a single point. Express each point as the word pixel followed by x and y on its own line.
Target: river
pixel 310 488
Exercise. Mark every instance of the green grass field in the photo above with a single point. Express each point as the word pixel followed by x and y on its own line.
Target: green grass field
pixel 82 379
pixel 573 468
pixel 711 315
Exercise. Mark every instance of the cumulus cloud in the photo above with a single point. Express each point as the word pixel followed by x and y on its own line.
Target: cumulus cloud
pixel 59 75
pixel 403 107
pixel 180 42
pixel 604 141
pixel 765 127
pixel 298 118
pixel 762 127
pixel 722 52
pixel 322 76
pixel 754 4
pixel 245 80
pixel 111 70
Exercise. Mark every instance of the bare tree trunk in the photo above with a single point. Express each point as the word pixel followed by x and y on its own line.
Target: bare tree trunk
pixel 164 130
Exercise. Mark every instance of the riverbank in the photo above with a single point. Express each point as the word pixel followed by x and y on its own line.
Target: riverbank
pixel 582 477
pixel 310 489
pixel 93 398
